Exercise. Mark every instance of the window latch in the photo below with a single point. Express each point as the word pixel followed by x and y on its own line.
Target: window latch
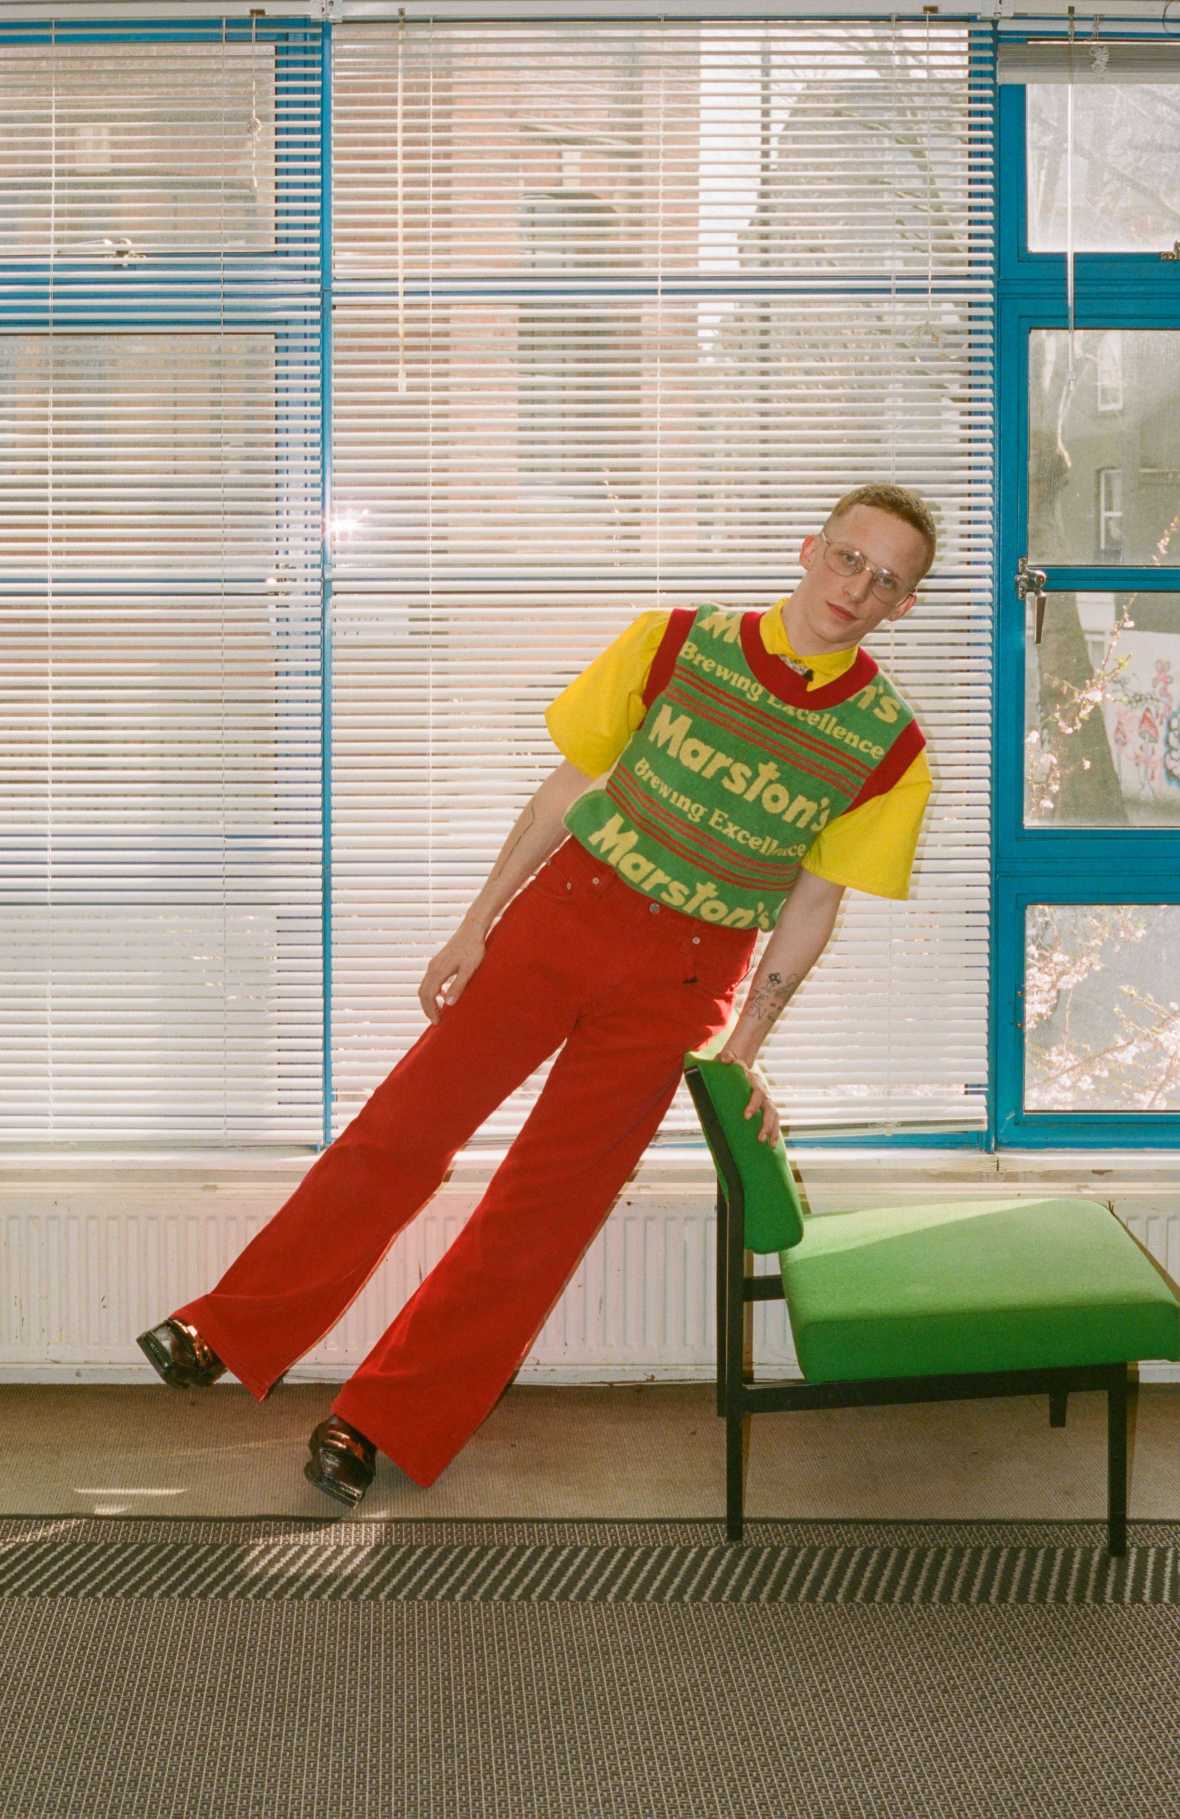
pixel 1032 581
pixel 1175 252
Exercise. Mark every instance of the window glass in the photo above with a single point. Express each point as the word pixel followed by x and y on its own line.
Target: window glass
pixel 1126 167
pixel 1104 446
pixel 1102 712
pixel 534 442
pixel 140 453
pixel 1102 1007
pixel 555 147
pixel 114 151
pixel 162 905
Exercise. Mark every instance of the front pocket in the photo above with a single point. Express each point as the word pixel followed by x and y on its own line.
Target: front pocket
pixel 552 884
pixel 714 976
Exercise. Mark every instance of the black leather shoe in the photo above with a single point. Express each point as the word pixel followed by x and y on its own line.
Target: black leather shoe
pixel 177 1352
pixel 343 1461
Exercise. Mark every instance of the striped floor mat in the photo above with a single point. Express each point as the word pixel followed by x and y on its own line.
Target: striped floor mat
pixel 678 1562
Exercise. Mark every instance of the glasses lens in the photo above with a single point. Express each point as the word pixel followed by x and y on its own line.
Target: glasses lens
pixel 842 560
pixel 887 588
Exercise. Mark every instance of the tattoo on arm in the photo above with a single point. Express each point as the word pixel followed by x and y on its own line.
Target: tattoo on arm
pixel 769 1000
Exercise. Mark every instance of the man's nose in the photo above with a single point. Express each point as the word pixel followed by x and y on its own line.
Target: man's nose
pixel 858 587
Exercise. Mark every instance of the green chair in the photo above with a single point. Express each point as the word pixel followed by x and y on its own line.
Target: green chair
pixel 924 1303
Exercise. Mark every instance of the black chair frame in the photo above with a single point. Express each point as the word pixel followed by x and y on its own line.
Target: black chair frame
pixel 737 1397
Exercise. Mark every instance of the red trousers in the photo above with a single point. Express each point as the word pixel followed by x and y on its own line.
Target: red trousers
pixel 579 958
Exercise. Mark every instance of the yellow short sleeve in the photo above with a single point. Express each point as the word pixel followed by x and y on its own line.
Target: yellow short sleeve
pixel 871 848
pixel 592 720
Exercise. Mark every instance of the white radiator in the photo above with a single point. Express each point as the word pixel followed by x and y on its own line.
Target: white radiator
pixel 92 1251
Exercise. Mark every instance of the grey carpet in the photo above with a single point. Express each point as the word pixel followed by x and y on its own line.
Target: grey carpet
pixel 614 1697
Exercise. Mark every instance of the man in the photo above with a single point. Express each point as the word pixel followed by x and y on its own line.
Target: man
pixel 758 765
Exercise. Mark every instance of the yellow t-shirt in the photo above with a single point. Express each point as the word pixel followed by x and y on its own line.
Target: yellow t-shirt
pixel 870 848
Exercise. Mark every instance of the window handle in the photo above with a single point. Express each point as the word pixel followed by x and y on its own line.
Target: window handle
pixel 1175 252
pixel 1032 581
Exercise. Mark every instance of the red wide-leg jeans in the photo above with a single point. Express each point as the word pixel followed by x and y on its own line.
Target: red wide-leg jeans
pixel 579 958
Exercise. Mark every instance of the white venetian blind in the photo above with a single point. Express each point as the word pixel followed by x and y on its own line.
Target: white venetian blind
pixel 620 310
pixel 159 574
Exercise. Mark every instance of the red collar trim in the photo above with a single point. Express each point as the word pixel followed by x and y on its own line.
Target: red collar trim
pixel 788 684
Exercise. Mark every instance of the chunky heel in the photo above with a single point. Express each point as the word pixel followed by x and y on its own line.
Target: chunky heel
pixel 178 1354
pixel 343 1461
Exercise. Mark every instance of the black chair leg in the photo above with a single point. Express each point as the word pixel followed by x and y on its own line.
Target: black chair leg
pixel 734 1486
pixel 737 1326
pixel 1116 1460
pixel 1057 1402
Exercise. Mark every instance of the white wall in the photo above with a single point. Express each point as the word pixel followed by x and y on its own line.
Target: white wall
pixel 94 1248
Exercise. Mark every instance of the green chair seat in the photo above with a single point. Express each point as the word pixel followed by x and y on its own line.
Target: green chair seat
pixel 984 1285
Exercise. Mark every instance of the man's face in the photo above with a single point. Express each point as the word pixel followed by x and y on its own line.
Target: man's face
pixel 830 612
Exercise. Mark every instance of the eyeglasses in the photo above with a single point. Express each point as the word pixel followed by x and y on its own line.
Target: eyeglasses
pixel 842 559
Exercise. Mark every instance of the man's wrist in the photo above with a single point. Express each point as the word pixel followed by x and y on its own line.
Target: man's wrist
pixel 477 921
pixel 744 1045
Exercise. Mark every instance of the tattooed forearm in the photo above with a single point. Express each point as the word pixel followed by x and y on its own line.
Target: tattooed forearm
pixel 768 1001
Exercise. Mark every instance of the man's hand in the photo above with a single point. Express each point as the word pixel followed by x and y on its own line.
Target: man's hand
pixel 449 971
pixel 537 831
pixel 797 940
pixel 760 1099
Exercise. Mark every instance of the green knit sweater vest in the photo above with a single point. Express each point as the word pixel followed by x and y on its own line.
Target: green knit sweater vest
pixel 738 768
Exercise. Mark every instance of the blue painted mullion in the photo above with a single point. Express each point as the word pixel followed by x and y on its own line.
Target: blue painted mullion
pixel 1110 579
pixel 1099 865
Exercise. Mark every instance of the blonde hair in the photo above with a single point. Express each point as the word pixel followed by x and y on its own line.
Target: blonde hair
pixel 897 500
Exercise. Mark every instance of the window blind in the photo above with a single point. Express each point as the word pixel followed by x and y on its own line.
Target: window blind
pixel 1090 60
pixel 619 312
pixel 161 556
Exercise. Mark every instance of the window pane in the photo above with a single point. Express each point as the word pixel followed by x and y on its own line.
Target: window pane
pixel 542 443
pixel 1104 446
pixel 1102 1017
pixel 142 453
pixel 160 696
pixel 1126 167
pixel 112 151
pixel 1102 712
pixel 647 431
pixel 704 147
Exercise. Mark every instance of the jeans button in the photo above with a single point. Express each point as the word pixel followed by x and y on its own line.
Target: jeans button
pixel 595 880
pixel 696 941
pixel 654 908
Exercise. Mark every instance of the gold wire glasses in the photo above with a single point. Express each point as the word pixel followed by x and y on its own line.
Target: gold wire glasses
pixel 842 559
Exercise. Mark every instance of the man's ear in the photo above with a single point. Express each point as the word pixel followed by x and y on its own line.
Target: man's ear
pixel 902 608
pixel 808 549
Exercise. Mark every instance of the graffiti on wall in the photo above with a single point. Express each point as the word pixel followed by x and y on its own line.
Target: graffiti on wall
pixel 1142 714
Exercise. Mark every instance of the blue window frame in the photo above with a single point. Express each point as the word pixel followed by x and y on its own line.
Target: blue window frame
pixel 1035 861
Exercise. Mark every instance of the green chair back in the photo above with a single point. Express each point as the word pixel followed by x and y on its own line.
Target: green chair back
pixel 721 1092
